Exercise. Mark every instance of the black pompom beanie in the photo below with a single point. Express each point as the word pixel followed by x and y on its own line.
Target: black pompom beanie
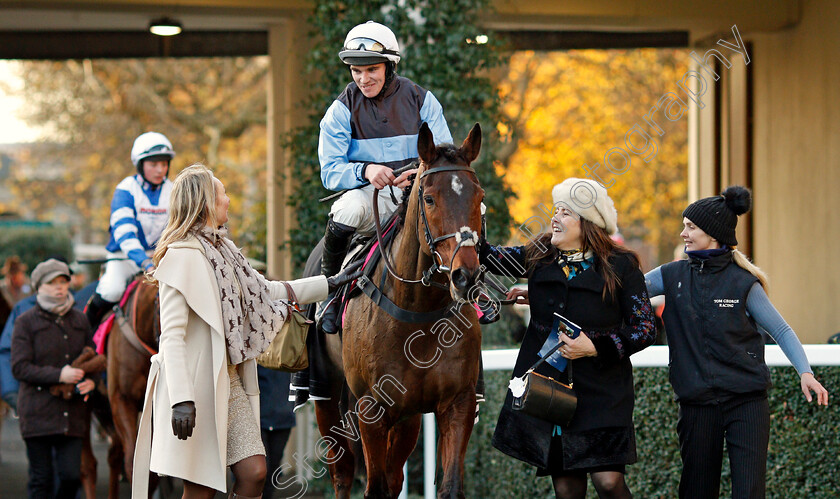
pixel 718 215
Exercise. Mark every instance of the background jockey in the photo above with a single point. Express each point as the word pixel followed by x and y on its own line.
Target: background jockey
pixel 368 131
pixel 139 211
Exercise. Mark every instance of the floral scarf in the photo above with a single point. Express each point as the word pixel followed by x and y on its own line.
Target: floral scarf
pixel 251 318
pixel 573 262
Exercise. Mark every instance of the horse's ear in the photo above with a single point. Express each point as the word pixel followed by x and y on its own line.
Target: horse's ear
pixel 426 145
pixel 472 144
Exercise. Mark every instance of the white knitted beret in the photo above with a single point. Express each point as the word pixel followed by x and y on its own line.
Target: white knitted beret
pixel 589 199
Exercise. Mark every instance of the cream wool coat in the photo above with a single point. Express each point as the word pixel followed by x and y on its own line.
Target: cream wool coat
pixel 192 366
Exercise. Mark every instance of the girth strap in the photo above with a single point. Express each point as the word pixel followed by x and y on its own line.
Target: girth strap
pixel 129 333
pixel 400 314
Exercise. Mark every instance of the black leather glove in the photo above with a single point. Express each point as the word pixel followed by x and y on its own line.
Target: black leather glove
pixel 11 399
pixel 349 274
pixel 183 419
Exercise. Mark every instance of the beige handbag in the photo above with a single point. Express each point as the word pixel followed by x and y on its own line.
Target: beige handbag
pixel 287 351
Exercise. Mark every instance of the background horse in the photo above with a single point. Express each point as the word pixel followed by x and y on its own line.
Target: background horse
pixel 397 370
pixel 128 370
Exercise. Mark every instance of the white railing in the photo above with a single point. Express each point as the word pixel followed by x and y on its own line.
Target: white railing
pixel 655 356
pixel 500 360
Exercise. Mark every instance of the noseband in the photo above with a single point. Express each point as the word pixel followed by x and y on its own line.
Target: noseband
pixel 464 237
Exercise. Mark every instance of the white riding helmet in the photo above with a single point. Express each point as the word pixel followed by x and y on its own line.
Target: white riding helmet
pixel 150 144
pixel 370 43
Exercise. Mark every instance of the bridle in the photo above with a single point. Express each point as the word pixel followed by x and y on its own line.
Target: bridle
pixel 464 237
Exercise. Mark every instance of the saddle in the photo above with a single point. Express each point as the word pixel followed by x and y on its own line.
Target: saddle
pixel 364 248
pixel 100 337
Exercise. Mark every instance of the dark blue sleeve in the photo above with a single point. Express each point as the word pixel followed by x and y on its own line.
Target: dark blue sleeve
pixel 8 383
pixel 507 261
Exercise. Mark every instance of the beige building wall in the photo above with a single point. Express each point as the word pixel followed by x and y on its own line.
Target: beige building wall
pixel 796 168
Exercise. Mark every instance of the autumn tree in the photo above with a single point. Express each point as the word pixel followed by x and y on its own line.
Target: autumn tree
pixel 569 109
pixel 213 111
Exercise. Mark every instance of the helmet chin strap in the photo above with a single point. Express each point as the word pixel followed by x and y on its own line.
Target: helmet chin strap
pixel 390 76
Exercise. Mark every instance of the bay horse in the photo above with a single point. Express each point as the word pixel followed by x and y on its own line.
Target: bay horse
pixel 426 359
pixel 127 370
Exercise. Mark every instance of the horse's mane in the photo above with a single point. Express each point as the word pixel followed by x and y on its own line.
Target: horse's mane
pixel 448 152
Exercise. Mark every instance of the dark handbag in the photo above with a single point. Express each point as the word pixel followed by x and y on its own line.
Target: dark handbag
pixel 544 397
pixel 287 351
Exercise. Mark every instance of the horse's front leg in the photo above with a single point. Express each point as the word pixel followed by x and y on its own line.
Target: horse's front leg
pixel 455 422
pixel 87 465
pixel 341 461
pixel 115 466
pixel 375 444
pixel 401 441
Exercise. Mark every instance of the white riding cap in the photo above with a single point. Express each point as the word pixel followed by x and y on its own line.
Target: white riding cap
pixel 370 43
pixel 151 144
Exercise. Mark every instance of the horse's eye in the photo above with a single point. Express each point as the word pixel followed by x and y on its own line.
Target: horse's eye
pixel 429 200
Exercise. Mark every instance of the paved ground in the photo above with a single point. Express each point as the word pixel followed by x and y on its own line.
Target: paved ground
pixel 14 465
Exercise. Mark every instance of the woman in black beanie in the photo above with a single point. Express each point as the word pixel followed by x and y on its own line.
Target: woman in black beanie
pixel 714 302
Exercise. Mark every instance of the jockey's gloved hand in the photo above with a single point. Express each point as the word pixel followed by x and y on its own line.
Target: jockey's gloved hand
pixel 183 419
pixel 349 274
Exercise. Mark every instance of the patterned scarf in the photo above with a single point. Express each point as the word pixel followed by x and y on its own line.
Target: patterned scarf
pixel 251 319
pixel 573 262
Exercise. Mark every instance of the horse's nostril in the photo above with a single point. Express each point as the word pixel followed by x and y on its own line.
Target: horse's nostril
pixel 460 278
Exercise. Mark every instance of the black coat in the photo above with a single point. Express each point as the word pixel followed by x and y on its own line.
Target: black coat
pixel 601 432
pixel 43 343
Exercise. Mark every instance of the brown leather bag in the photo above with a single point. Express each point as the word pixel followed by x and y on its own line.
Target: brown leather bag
pixel 287 351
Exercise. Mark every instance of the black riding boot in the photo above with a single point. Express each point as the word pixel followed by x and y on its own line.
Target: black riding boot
pixel 336 239
pixel 96 308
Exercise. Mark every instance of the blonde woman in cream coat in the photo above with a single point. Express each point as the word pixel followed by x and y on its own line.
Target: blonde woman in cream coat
pixel 189 395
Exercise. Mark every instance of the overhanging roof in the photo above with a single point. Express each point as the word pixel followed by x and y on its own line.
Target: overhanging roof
pixel 62 29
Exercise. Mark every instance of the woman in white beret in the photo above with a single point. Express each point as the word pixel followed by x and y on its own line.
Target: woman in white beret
pixel 577 271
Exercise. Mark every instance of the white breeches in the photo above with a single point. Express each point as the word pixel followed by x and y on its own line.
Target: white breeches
pixel 355 208
pixel 117 275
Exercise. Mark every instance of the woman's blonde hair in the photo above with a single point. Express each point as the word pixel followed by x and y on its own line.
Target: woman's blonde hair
pixel 742 261
pixel 192 205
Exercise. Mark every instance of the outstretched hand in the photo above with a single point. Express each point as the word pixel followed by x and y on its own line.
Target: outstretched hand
pixel 183 419
pixel 809 383
pixel 349 274
pixel 518 294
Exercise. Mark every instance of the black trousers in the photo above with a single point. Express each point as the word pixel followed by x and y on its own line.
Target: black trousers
pixel 68 454
pixel 275 443
pixel 745 426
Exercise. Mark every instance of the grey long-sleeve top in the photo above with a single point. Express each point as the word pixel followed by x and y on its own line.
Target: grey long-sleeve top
pixel 764 314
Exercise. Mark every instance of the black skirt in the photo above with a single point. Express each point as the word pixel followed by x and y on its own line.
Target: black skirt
pixel 602 449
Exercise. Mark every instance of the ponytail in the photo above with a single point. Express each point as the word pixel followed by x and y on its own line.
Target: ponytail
pixel 742 261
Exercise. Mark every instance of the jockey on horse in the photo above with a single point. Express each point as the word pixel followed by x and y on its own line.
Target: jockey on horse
pixel 369 131
pixel 139 211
